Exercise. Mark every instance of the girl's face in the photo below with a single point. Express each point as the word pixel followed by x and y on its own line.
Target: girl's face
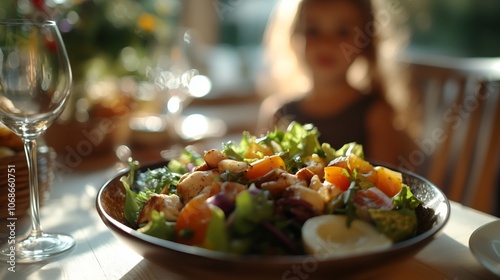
pixel 329 29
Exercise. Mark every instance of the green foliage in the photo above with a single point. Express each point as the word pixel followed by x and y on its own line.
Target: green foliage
pixel 96 32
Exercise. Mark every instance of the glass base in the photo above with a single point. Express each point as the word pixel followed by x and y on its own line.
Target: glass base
pixel 35 249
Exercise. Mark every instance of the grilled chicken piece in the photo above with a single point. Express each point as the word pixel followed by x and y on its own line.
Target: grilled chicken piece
pixel 191 184
pixel 170 205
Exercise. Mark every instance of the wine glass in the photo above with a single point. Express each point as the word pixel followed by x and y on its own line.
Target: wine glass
pixel 35 82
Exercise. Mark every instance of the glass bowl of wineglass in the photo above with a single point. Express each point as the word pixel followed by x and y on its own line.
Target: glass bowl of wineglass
pixel 35 82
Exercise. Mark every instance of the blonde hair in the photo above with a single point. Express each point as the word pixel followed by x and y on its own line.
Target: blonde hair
pixel 284 76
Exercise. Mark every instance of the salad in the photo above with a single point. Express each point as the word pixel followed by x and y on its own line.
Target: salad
pixel 283 193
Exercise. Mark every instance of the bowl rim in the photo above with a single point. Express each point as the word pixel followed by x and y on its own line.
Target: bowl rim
pixel 282 259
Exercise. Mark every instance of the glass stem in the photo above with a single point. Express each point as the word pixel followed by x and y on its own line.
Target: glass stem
pixel 30 148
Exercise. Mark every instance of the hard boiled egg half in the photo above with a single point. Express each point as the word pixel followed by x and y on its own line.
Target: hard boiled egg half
pixel 329 235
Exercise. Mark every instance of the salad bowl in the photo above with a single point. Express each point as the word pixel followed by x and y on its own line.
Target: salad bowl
pixel 198 263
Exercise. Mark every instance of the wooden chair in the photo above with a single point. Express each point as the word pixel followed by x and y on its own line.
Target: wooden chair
pixel 459 144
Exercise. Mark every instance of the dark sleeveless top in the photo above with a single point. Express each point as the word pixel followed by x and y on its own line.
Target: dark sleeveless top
pixel 348 125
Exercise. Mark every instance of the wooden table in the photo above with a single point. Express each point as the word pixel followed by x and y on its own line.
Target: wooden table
pixel 99 255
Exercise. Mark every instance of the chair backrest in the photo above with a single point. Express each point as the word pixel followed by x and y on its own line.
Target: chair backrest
pixel 459 145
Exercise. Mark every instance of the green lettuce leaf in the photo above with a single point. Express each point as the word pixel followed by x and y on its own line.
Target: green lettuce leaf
pixel 250 211
pixel 132 208
pixel 405 199
pixel 158 227
pixel 216 238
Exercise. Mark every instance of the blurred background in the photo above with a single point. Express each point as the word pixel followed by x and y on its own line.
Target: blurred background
pixel 172 71
pixel 461 28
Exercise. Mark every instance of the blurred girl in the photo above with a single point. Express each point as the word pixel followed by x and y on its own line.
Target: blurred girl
pixel 329 37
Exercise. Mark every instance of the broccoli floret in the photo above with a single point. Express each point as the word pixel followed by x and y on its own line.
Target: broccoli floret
pixel 397 225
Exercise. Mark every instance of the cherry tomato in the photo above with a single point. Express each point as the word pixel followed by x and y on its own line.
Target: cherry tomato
pixel 388 181
pixel 262 166
pixel 337 176
pixel 192 224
